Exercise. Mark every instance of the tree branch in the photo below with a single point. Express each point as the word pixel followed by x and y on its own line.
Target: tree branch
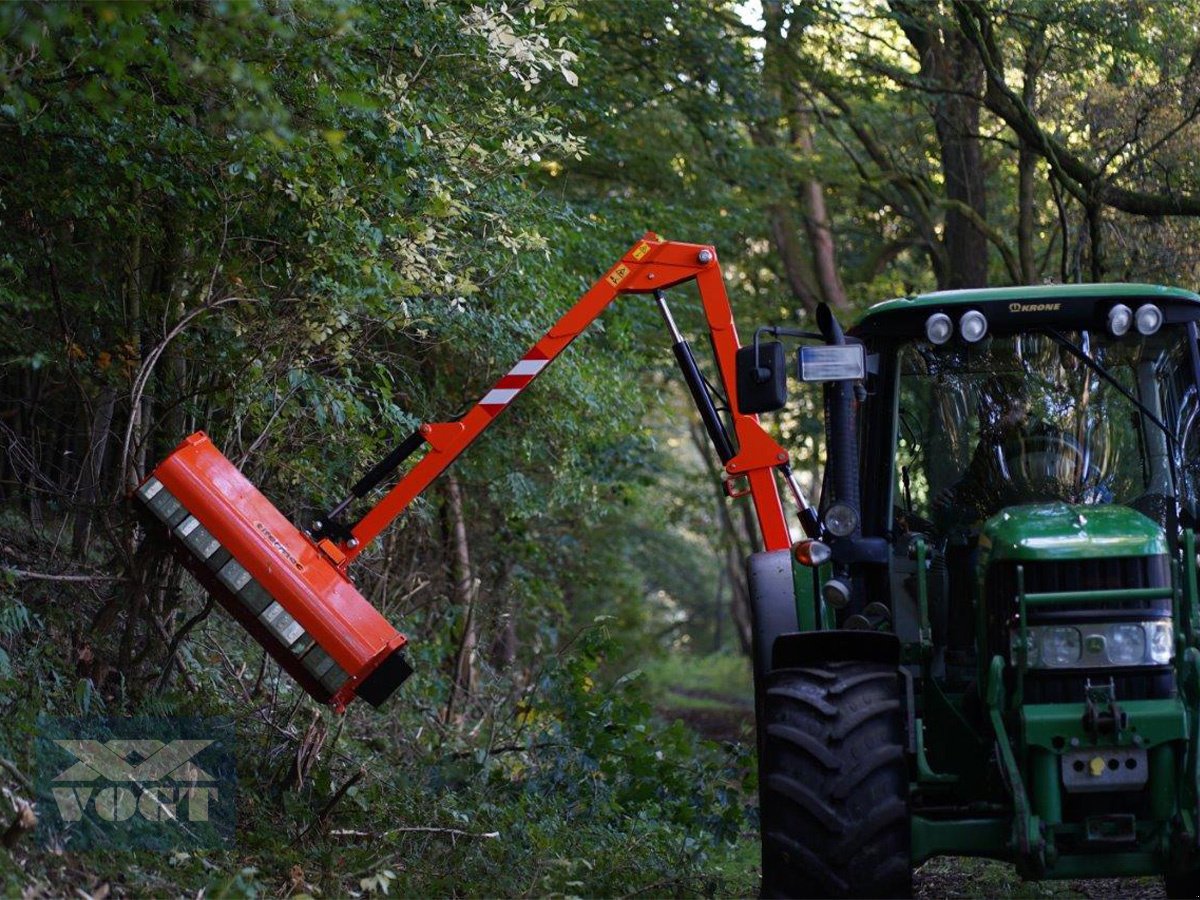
pixel 1085 182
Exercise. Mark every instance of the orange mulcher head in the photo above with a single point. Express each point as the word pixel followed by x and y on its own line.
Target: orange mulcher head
pixel 289 592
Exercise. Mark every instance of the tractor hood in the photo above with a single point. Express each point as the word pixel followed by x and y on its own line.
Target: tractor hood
pixel 1057 531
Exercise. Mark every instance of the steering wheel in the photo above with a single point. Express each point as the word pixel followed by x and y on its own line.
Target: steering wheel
pixel 1046 464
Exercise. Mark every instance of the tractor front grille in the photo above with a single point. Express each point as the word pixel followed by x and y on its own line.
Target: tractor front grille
pixel 1111 573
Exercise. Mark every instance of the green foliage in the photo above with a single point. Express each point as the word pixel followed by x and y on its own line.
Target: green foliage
pixel 307 228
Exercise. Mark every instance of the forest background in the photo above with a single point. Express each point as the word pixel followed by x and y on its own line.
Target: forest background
pixel 307 227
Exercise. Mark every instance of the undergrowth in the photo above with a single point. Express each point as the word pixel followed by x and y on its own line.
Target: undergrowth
pixel 578 789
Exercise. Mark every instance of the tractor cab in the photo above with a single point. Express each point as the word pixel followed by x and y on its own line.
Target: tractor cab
pixel 1051 427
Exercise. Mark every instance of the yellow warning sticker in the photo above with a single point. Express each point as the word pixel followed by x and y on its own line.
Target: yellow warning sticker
pixel 617 275
pixel 641 250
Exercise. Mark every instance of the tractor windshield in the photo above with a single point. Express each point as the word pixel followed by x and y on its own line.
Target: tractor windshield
pixel 1021 418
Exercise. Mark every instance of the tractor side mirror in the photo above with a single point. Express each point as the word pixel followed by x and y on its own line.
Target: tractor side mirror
pixel 761 377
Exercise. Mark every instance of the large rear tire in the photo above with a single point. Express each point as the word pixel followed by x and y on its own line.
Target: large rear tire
pixel 834 783
pixel 1182 884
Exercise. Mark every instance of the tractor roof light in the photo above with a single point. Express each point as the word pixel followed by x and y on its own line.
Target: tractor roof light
pixel 938 328
pixel 972 326
pixel 836 593
pixel 1148 319
pixel 841 519
pixel 1120 317
pixel 811 553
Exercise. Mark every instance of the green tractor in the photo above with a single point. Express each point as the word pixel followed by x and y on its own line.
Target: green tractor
pixel 992 648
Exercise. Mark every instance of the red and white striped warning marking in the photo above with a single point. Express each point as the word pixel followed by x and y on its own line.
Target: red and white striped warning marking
pixel 511 384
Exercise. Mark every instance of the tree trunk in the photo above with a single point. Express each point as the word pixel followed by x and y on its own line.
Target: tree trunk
pixel 504 646
pixel 732 545
pixel 812 278
pixel 132 471
pixel 1026 167
pixel 92 467
pixel 949 61
pixel 816 215
pixel 1027 158
pixel 465 593
pixel 1095 220
pixel 797 269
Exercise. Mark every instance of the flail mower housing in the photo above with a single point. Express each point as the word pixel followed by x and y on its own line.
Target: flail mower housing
pixel 285 588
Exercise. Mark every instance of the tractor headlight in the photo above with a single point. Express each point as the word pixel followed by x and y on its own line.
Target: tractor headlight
pixel 1162 642
pixel 836 593
pixel 1148 319
pixel 1098 645
pixel 1126 644
pixel 972 326
pixel 938 328
pixel 1120 317
pixel 841 519
pixel 1061 646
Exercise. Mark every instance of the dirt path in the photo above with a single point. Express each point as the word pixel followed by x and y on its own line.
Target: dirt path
pixel 962 877
pixel 716 717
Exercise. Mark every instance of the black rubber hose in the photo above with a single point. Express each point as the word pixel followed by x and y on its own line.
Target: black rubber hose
pixel 385 466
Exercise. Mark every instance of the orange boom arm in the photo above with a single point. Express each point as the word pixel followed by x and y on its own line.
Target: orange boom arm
pixel 292 591
pixel 651 265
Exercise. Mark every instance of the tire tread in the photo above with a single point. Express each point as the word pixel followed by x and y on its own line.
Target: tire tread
pixel 834 783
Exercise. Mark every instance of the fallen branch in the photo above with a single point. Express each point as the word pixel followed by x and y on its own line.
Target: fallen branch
pixel 11 768
pixel 423 829
pixel 333 801
pixel 48 576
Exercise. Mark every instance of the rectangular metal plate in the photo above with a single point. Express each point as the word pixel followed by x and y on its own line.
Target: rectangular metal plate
pixel 234 576
pixel 150 489
pixel 333 678
pixel 301 646
pixel 186 527
pixel 843 362
pixel 255 597
pixel 317 661
pixel 200 541
pixel 281 624
pixel 1104 769
pixel 163 504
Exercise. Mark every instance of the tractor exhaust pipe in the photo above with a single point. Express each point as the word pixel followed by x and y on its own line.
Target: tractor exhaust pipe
pixel 841 428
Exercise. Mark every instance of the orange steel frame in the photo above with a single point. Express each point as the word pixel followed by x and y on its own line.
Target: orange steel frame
pixel 651 264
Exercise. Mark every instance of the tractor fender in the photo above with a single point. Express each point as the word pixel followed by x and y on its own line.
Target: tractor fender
pixel 809 648
pixel 772 604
